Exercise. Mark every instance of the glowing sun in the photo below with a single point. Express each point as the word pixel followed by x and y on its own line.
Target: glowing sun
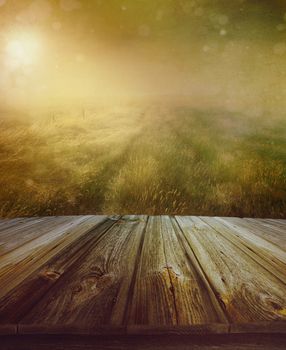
pixel 22 50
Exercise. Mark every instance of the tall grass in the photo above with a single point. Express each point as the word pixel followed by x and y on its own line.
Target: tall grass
pixel 150 159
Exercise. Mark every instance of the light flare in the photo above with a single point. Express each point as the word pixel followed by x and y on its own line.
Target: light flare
pixel 22 50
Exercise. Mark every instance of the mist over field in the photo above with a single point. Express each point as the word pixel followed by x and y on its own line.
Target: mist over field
pixel 140 106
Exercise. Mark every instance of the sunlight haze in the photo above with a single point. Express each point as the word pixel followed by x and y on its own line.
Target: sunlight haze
pixel 213 52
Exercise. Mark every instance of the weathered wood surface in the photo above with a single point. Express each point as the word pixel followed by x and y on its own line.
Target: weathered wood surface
pixel 139 275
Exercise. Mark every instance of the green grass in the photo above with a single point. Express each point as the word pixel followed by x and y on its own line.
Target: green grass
pixel 147 159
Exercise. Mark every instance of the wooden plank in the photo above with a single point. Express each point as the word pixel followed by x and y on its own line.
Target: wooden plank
pixel 195 302
pixel 249 292
pixel 22 225
pixel 152 300
pixel 20 263
pixel 269 232
pixel 15 305
pixel 270 225
pixel 132 254
pixel 33 244
pixel 6 223
pixel 23 231
pixel 253 235
pixel 94 291
pixel 167 289
pixel 20 237
pixel 19 225
pixel 248 244
pixel 274 222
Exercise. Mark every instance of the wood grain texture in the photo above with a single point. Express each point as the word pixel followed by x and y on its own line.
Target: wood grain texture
pixel 95 290
pixel 168 284
pixel 257 249
pixel 254 235
pixel 16 237
pixel 194 300
pixel 248 291
pixel 16 304
pixel 20 263
pixel 7 223
pixel 274 233
pixel 142 276
pixel 152 300
pixel 278 223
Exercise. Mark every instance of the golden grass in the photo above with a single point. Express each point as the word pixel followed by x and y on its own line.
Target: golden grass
pixel 147 159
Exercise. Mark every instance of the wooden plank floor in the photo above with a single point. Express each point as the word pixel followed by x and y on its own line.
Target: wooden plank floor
pixel 137 275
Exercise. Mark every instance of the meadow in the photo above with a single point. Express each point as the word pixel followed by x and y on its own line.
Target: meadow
pixel 147 158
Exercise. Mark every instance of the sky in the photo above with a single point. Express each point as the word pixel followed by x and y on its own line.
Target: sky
pixel 221 53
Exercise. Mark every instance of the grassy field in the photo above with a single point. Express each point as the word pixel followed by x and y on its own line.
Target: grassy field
pixel 136 158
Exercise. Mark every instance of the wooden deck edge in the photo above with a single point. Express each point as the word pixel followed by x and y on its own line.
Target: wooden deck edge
pixel 141 342
pixel 276 327
pixel 259 327
pixel 8 329
pixel 71 330
pixel 213 328
pixel 134 330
